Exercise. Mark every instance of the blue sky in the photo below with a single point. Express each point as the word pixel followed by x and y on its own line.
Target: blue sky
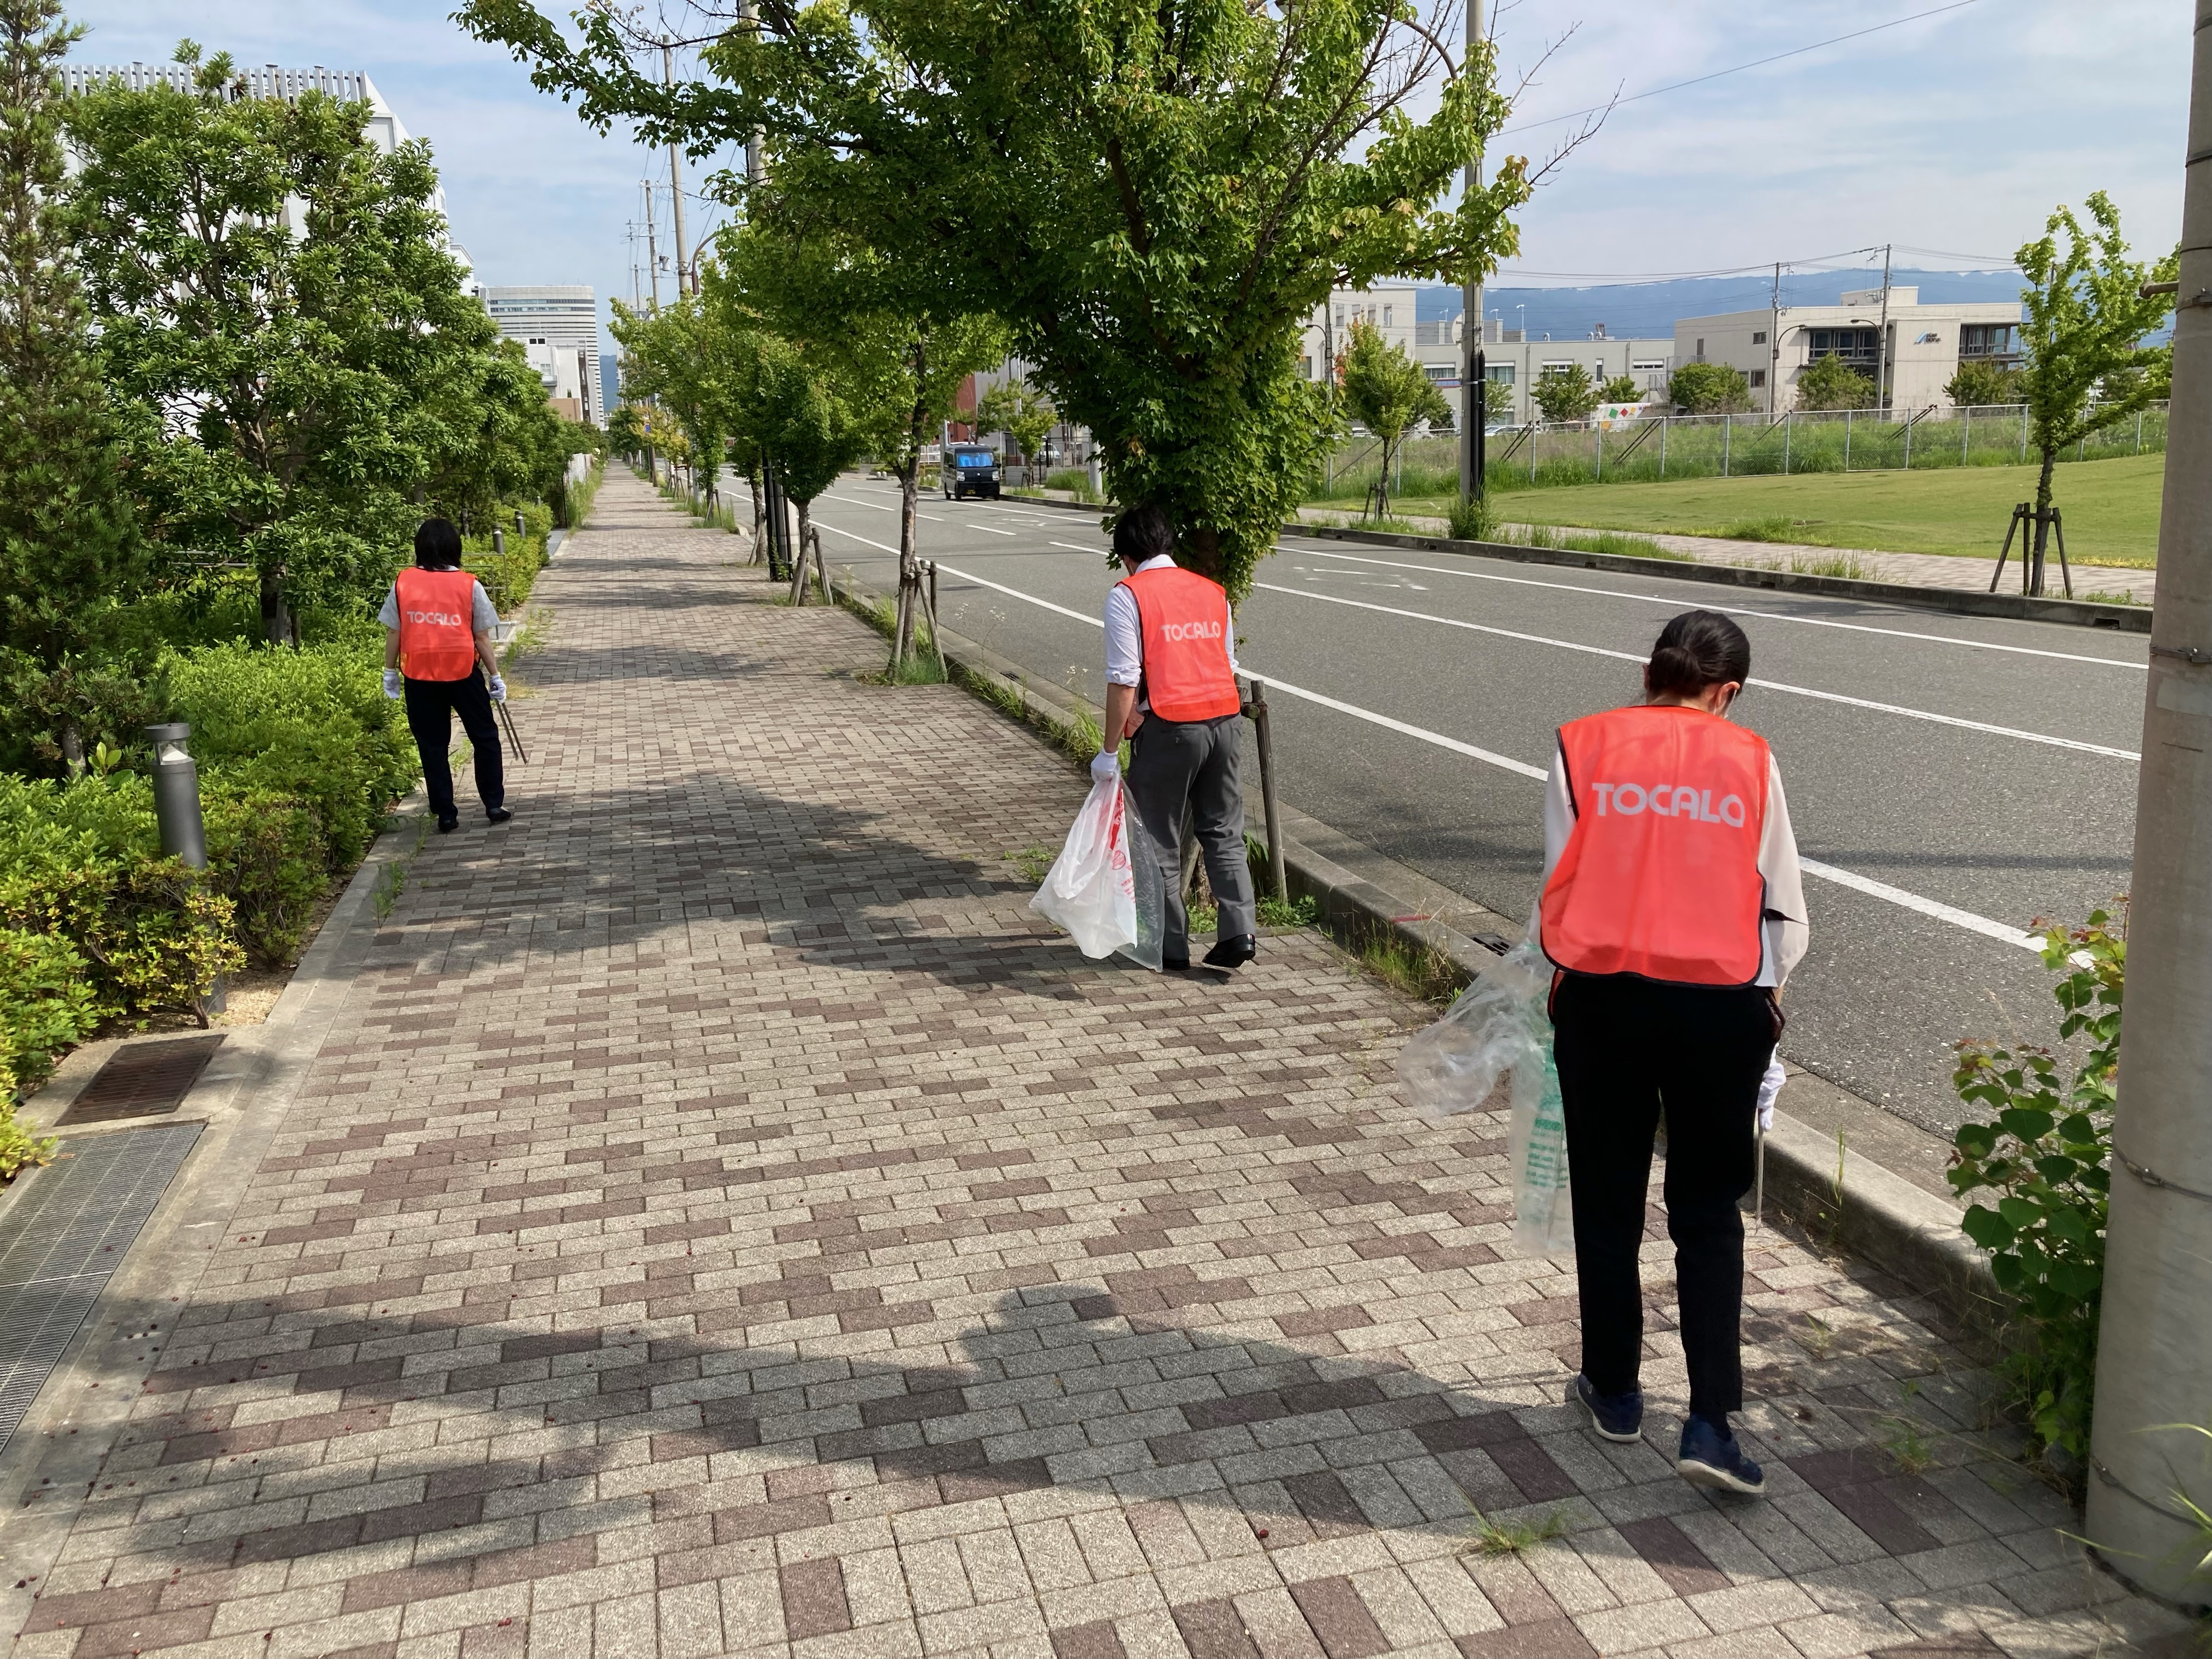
pixel 1952 137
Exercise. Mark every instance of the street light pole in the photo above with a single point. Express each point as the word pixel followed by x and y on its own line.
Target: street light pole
pixel 1473 368
pixel 2154 1350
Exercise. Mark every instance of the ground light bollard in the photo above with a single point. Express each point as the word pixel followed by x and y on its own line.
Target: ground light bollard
pixel 177 810
pixel 521 525
pixel 1263 736
pixel 498 543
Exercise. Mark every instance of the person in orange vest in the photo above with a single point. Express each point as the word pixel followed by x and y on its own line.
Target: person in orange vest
pixel 437 629
pixel 1674 910
pixel 1171 690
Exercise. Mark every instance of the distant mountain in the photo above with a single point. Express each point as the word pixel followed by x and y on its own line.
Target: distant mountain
pixel 1648 310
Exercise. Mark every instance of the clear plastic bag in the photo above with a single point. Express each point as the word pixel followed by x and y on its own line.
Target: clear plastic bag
pixel 1108 897
pixel 1497 1031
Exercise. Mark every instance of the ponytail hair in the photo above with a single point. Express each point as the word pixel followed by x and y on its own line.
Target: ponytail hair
pixel 1697 649
pixel 438 546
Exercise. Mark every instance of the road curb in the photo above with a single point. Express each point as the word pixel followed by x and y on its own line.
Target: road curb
pixel 1813 1178
pixel 1951 601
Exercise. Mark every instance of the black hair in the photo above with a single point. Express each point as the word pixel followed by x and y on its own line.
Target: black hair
pixel 438 546
pixel 1143 531
pixel 1697 649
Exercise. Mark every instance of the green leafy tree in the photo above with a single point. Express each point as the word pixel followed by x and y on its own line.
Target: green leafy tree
pixel 1621 389
pixel 626 432
pixel 1389 393
pixel 1022 413
pixel 1155 197
pixel 1979 385
pixel 70 550
pixel 1565 394
pixel 277 296
pixel 2083 318
pixel 1708 389
pixel 1831 383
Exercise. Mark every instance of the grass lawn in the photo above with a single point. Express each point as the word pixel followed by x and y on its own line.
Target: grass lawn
pixel 2110 508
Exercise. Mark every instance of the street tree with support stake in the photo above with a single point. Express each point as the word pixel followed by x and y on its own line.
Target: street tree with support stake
pixel 1155 197
pixel 2085 312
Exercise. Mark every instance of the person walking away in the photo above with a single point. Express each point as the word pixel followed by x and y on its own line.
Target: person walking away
pixel 1674 910
pixel 1171 689
pixel 437 629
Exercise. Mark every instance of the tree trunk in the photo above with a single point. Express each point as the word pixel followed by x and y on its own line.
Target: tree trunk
pixel 760 517
pixel 73 748
pixel 2042 520
pixel 277 623
pixel 798 561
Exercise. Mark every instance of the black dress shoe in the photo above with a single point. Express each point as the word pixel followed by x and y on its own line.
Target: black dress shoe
pixel 1175 964
pixel 449 823
pixel 498 814
pixel 1233 953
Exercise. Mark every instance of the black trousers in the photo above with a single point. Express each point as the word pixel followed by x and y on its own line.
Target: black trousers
pixel 431 706
pixel 1625 1047
pixel 1178 763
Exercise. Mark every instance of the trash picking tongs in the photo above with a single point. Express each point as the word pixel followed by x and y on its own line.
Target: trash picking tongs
pixel 506 720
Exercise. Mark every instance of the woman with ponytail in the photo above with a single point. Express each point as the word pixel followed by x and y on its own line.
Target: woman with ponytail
pixel 1673 908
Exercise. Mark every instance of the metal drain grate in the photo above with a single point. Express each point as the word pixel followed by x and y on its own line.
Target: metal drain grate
pixel 142 1079
pixel 63 1237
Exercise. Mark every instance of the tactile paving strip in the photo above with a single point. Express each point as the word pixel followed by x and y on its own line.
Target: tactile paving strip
pixel 62 1238
pixel 142 1079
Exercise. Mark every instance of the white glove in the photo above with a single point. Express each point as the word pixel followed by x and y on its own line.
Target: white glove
pixel 391 683
pixel 498 689
pixel 1105 764
pixel 1769 1086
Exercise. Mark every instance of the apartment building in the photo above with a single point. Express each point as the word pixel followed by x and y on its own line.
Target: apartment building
pixel 1916 348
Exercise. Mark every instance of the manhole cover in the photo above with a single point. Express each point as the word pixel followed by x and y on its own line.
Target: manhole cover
pixel 63 1237
pixel 142 1079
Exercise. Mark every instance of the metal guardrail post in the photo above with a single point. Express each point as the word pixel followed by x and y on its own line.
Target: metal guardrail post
pixel 177 810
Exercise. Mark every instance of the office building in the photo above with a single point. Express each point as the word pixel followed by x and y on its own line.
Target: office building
pixel 1925 344
pixel 561 315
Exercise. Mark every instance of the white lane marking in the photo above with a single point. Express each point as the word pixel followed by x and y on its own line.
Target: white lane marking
pixel 1736 610
pixel 864 540
pixel 880 507
pixel 1881 890
pixel 990 529
pixel 1761 684
pixel 1075 548
pixel 1927 907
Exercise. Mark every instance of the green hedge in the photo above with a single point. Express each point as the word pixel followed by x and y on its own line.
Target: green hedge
pixel 509 577
pixel 301 756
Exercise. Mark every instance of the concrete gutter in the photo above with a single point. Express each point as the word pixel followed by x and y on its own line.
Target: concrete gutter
pixel 1852 1176
pixel 1951 601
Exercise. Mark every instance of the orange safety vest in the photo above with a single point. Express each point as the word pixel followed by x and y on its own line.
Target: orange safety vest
pixel 1659 878
pixel 437 640
pixel 1184 621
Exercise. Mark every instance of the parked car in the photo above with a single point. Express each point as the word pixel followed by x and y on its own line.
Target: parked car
pixel 971 470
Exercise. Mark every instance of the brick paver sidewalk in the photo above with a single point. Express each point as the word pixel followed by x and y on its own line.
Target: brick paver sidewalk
pixel 724 1219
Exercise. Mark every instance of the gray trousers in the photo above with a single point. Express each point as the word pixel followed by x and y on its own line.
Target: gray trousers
pixel 1172 762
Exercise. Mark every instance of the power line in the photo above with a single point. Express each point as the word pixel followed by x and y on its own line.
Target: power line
pixel 1798 52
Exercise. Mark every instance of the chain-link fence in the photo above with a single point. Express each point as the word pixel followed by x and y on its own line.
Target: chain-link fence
pixel 1728 446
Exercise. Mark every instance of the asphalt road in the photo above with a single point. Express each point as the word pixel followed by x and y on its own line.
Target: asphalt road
pixel 1950 778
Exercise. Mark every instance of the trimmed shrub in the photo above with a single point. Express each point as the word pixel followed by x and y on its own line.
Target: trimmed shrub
pixel 312 725
pixel 45 1004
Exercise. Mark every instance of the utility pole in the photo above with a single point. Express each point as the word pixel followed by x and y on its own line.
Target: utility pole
pixel 652 249
pixel 2154 1350
pixel 1474 365
pixel 676 185
pixel 1774 343
pixel 1881 340
pixel 748 19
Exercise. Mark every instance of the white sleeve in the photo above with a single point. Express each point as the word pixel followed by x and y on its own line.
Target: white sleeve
pixel 482 615
pixel 1785 927
pixel 1125 645
pixel 1558 824
pixel 1234 671
pixel 390 615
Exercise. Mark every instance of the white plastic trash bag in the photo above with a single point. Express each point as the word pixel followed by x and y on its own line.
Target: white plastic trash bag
pixel 1107 899
pixel 1498 1029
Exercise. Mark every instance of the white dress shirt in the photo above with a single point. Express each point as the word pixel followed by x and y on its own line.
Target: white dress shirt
pixel 1125 632
pixel 1784 930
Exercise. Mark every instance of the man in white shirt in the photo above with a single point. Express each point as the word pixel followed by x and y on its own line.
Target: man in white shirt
pixel 1171 689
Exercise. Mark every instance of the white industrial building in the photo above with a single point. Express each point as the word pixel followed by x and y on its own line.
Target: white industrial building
pixel 1916 348
pixel 564 317
pixel 1513 360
